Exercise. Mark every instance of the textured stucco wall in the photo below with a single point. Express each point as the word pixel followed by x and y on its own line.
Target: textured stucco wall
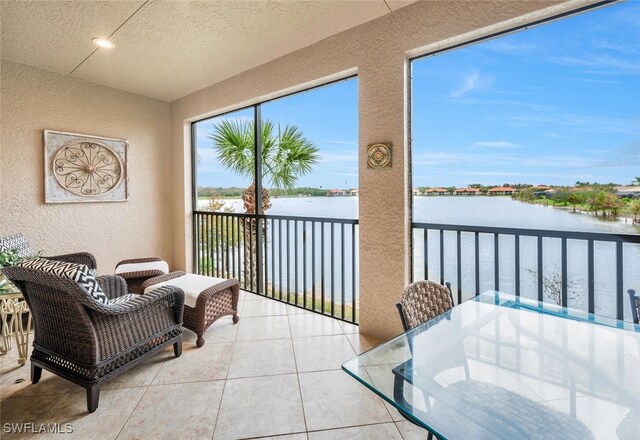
pixel 378 52
pixel 34 99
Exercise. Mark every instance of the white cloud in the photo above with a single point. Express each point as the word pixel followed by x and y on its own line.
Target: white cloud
pixel 496 144
pixel 470 82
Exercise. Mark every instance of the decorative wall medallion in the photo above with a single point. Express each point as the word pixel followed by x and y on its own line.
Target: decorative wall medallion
pixel 84 168
pixel 379 155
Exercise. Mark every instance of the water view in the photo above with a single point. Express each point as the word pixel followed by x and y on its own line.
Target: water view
pixel 457 210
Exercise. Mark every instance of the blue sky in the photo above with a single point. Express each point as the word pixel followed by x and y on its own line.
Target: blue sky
pixel 328 116
pixel 549 105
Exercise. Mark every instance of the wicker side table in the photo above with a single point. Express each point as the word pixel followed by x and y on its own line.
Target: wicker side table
pixel 203 307
pixel 12 309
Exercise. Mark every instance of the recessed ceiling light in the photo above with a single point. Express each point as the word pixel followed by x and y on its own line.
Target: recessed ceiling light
pixel 104 43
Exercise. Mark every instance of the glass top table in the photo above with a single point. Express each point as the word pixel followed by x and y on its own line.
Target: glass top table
pixel 505 367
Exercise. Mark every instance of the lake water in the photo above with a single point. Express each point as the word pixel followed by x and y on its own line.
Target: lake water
pixel 481 211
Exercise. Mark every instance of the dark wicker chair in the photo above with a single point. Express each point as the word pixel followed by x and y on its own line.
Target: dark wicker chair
pixel 635 306
pixel 422 301
pixel 87 342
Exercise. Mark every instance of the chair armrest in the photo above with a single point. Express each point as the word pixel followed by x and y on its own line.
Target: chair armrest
pixel 138 260
pixel 78 257
pixel 114 286
pixel 161 278
pixel 174 295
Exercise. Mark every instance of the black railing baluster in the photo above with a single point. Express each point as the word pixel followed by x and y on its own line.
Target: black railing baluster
pixel 441 256
pixel 619 280
pixel 425 246
pixel 266 258
pixel 322 267
pixel 252 251
pixel 517 265
pixel 564 275
pixel 333 261
pixel 295 260
pixel 591 277
pixel 304 264
pixel 228 249
pixel 233 245
pixel 459 264
pixel 353 273
pixel 209 237
pixel 540 274
pixel 280 270
pixel 477 261
pixel 288 268
pixel 342 266
pixel 313 265
pixel 273 258
pixel 213 252
pixel 496 261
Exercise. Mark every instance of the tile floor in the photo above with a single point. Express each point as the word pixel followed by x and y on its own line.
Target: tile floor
pixel 276 374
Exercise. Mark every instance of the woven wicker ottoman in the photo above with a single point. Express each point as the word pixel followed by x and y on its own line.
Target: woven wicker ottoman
pixel 206 299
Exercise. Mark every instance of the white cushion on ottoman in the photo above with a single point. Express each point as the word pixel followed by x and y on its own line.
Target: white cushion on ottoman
pixel 192 285
pixel 139 267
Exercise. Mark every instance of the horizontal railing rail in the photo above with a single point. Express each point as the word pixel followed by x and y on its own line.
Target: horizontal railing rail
pixel 567 264
pixel 308 262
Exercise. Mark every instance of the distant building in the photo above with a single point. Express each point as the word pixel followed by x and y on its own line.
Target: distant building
pixel 437 192
pixel 467 192
pixel 337 192
pixel 502 191
pixel 631 192
pixel 353 192
pixel 417 192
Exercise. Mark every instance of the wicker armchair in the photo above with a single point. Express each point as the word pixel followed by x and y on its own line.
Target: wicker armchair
pixel 422 301
pixel 87 342
pixel 635 306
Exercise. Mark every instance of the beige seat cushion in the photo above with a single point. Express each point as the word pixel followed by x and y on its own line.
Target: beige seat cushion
pixel 192 285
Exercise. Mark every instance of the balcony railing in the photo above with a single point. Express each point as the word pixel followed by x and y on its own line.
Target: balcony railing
pixel 309 262
pixel 589 271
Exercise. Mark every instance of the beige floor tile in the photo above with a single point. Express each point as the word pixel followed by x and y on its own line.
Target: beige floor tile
pixel 23 410
pixel 383 431
pixel 223 330
pixel 210 362
pixel 410 431
pixel 105 423
pixel 248 296
pixel 262 358
pixel 332 399
pixel 179 411
pixel 293 310
pixel 362 343
pixel 263 307
pixel 319 353
pixel 300 436
pixel 349 328
pixel 18 384
pixel 142 374
pixel 312 324
pixel 260 406
pixel 266 327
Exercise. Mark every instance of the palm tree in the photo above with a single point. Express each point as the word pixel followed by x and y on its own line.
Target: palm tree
pixel 286 155
pixel 636 181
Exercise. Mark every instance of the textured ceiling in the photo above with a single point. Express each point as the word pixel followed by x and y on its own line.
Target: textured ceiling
pixel 168 49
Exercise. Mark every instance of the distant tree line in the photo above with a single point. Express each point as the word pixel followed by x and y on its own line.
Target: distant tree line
pixel 600 199
pixel 208 192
